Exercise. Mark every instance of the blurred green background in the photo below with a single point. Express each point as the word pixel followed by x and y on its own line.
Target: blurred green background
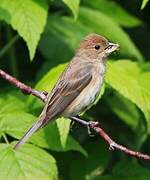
pixel 37 40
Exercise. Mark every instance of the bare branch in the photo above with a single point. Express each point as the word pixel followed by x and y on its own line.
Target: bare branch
pixel 113 145
pixel 95 126
pixel 24 88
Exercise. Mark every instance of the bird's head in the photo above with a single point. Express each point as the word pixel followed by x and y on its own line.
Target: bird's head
pixel 95 46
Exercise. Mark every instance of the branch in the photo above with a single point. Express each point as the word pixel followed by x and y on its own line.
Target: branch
pixel 115 146
pixel 24 88
pixel 94 126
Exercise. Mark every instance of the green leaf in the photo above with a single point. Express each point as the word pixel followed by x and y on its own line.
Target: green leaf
pixel 127 170
pixel 29 162
pixel 133 168
pixel 27 17
pixel 48 47
pixel 73 5
pixel 67 29
pixel 71 33
pixel 100 93
pixel 18 122
pixel 121 16
pixel 144 2
pixel 92 166
pixel 49 138
pixel 72 144
pixel 49 79
pixel 110 29
pixel 124 109
pixel 7 104
pixel 128 79
pixel 46 83
pixel 63 126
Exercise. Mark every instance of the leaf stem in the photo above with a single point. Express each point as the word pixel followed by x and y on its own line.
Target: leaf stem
pixel 5 138
pixel 11 54
pixel 8 45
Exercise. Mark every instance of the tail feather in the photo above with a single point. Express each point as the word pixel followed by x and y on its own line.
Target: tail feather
pixel 29 133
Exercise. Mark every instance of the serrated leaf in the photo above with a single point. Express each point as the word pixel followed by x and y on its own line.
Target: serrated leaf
pixel 29 162
pixel 121 16
pixel 128 79
pixel 17 123
pixel 144 2
pixel 27 17
pixel 73 5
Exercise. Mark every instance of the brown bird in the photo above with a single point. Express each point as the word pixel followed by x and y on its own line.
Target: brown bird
pixel 78 86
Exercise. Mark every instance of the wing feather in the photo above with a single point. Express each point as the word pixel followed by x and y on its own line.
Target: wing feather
pixel 65 91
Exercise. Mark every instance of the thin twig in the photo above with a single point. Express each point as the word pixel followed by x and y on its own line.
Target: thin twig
pixel 24 88
pixel 115 146
pixel 95 126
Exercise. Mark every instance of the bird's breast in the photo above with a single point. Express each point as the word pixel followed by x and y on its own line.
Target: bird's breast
pixel 89 94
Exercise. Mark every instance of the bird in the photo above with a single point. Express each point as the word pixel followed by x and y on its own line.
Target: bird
pixel 79 84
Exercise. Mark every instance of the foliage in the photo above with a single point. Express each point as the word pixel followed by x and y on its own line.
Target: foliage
pixel 144 4
pixel 52 30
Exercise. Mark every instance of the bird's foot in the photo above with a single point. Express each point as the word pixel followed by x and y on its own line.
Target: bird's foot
pixel 45 93
pixel 91 131
pixel 112 146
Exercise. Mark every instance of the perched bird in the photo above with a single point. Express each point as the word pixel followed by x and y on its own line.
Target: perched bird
pixel 79 84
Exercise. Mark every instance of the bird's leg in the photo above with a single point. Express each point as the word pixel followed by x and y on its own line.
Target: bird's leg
pixel 91 131
pixel 79 120
pixel 85 123
pixel 46 95
pixel 74 120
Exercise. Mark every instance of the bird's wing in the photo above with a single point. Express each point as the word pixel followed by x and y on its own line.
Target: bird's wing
pixel 64 93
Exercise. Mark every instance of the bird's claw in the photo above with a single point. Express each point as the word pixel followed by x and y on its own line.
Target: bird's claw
pixel 91 132
pixel 112 146
pixel 45 93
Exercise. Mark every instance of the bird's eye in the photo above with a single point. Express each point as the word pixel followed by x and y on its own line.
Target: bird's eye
pixel 97 47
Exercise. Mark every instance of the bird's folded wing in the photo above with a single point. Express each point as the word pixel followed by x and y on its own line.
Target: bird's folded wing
pixel 64 93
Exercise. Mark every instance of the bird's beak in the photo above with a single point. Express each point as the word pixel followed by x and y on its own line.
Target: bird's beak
pixel 111 48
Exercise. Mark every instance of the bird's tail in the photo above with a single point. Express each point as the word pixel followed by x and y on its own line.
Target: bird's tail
pixel 29 133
